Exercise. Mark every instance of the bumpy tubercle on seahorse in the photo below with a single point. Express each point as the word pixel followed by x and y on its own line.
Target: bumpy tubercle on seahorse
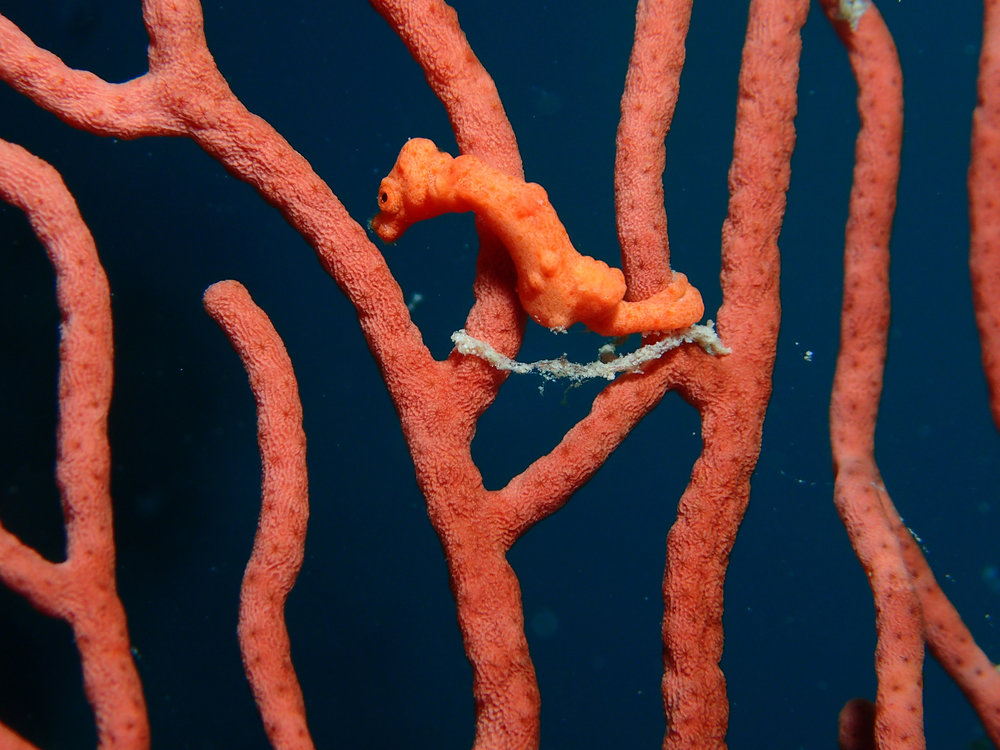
pixel 557 285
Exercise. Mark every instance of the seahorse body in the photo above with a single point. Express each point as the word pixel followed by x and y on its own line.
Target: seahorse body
pixel 557 285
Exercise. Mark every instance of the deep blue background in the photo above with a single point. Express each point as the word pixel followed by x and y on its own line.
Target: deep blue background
pixel 371 619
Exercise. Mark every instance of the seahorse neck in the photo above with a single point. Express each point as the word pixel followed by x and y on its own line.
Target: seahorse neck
pixel 474 186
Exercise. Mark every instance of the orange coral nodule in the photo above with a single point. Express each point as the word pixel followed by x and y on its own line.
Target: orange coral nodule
pixel 557 285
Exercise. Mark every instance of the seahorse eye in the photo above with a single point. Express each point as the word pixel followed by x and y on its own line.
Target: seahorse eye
pixel 390 197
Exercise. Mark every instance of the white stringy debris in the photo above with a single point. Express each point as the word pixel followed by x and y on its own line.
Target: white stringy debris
pixel 551 369
pixel 852 10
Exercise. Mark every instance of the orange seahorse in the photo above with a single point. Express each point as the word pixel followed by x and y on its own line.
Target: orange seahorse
pixel 557 285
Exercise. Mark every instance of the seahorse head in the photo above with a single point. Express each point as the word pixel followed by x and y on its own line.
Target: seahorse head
pixel 407 194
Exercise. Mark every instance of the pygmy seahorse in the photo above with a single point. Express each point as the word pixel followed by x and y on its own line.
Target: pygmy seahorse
pixel 557 285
